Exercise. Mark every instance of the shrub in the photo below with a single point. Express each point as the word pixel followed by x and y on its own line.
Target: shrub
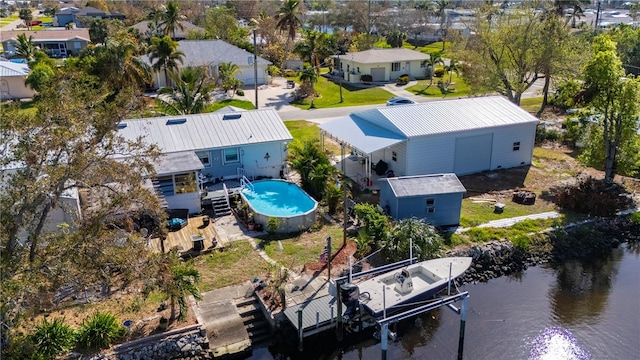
pixel 53 338
pixel 240 92
pixel 592 197
pixel 290 73
pixel 366 78
pixel 274 70
pixel 543 134
pixel 273 224
pixel 521 242
pixel 375 223
pixel 99 331
pixel 439 72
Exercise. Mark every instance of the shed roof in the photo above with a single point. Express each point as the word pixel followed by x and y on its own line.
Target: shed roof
pixel 10 69
pixel 361 134
pixel 178 162
pixel 373 56
pixel 420 185
pixel 207 131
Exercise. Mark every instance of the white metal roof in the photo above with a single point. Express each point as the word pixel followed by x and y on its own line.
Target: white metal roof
pixel 447 116
pixel 361 134
pixel 207 131
pixel 178 162
pixel 10 69
pixel 420 185
pixel 374 56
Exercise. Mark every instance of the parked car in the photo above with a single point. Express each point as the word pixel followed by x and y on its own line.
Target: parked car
pixel 399 101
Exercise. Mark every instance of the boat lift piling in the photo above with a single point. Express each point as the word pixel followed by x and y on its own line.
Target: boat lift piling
pixel 445 301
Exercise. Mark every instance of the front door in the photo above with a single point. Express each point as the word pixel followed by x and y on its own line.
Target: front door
pixel 407 68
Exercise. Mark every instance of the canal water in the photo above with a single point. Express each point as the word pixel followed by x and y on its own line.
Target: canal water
pixel 580 310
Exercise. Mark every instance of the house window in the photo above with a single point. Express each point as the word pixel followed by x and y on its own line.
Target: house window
pixel 431 210
pixel 77 45
pixel 231 156
pixel 431 202
pixel 516 146
pixel 423 64
pixel 395 66
pixel 165 185
pixel 186 183
pixel 394 156
pixel 430 205
pixel 204 158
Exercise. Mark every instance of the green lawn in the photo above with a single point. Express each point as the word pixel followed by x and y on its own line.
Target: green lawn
pixel 243 104
pixel 9 19
pixel 532 105
pixel 329 95
pixel 457 89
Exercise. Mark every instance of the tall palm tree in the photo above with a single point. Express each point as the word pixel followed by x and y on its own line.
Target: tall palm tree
pixel 434 59
pixel 118 62
pixel 192 92
pixel 289 21
pixel 171 19
pixel 442 5
pixel 165 51
pixel 315 47
pixel 25 47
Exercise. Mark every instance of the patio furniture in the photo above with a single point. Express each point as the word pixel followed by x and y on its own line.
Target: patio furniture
pixel 198 242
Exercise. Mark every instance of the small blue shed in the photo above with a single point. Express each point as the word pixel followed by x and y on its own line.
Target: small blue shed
pixel 436 198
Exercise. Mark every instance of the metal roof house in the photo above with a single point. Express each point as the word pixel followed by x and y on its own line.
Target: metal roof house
pixel 213 146
pixel 435 198
pixel 211 53
pixel 462 136
pixel 12 77
pixel 383 65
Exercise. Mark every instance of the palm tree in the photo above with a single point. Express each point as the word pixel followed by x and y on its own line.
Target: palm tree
pixel 119 63
pixel 227 73
pixel 171 19
pixel 289 21
pixel 396 38
pixel 178 280
pixel 165 50
pixel 315 47
pixel 442 5
pixel 25 47
pixel 454 66
pixel 434 59
pixel 192 92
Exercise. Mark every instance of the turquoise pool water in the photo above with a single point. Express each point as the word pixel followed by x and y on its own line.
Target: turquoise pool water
pixel 278 198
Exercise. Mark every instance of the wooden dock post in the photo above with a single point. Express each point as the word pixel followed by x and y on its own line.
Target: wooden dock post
pixel 463 320
pixel 300 338
pixel 339 329
pixel 384 337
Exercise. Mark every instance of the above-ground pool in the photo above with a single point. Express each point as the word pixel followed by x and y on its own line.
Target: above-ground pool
pixel 286 201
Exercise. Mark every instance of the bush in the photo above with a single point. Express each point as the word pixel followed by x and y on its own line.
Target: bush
pixel 403 80
pixel 240 92
pixel 290 73
pixel 273 224
pixel 366 78
pixel 53 338
pixel 438 72
pixel 592 197
pixel 274 70
pixel 543 134
pixel 99 331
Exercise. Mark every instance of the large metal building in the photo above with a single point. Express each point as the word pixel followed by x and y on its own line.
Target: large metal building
pixel 462 136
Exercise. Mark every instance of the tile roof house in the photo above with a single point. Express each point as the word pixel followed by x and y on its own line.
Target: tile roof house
pixel 211 53
pixel 56 42
pixel 72 15
pixel 461 136
pixel 384 65
pixel 143 28
pixel 222 145
pixel 12 77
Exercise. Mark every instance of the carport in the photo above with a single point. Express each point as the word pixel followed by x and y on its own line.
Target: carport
pixel 361 138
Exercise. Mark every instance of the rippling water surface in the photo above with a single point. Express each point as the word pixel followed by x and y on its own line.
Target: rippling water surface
pixel 582 310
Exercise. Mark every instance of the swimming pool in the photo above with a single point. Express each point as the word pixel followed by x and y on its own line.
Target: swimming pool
pixel 294 208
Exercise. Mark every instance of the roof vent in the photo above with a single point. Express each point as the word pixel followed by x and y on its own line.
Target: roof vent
pixel 122 125
pixel 231 116
pixel 176 121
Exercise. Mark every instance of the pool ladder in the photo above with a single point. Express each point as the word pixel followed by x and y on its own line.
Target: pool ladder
pixel 244 182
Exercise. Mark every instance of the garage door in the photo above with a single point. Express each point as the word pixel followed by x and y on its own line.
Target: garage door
pixel 473 154
pixel 378 74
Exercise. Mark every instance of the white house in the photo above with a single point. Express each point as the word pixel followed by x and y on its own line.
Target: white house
pixel 12 77
pixel 383 65
pixel 462 136
pixel 221 145
pixel 211 53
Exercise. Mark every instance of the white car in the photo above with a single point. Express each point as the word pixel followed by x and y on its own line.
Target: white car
pixel 399 101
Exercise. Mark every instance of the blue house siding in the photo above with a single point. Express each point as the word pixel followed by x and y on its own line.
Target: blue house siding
pixel 446 208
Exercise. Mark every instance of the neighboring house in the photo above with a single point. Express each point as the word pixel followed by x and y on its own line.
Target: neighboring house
pixel 462 136
pixel 143 28
pixel 221 145
pixel 384 65
pixel 211 53
pixel 55 42
pixel 71 15
pixel 435 198
pixel 12 77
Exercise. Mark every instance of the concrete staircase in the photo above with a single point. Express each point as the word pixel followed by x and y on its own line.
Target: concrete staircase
pixel 254 320
pixel 220 206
